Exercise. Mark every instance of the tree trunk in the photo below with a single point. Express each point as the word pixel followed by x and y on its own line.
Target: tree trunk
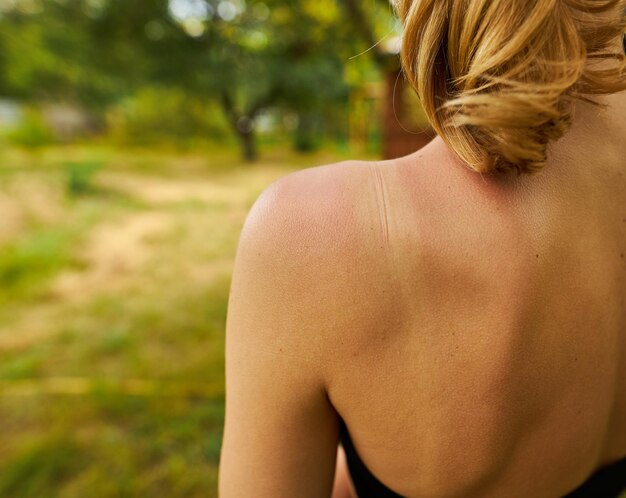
pixel 248 145
pixel 305 139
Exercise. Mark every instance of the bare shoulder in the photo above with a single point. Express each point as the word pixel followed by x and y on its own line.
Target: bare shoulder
pixel 305 252
pixel 315 195
pixel 290 294
pixel 311 215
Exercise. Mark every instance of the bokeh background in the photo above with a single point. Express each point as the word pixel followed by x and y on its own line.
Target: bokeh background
pixel 134 137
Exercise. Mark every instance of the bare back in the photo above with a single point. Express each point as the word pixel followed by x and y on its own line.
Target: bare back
pixel 495 356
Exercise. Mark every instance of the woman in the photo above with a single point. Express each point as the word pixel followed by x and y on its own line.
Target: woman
pixel 456 317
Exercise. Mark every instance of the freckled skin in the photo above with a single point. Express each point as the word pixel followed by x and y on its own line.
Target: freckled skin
pixel 471 330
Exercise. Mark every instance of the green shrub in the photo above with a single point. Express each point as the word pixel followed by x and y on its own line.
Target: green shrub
pixel 79 177
pixel 32 132
pixel 157 115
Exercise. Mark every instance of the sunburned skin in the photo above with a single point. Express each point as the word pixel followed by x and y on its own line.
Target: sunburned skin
pixel 504 351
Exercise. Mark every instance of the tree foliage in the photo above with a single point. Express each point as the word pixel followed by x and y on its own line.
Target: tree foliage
pixel 247 57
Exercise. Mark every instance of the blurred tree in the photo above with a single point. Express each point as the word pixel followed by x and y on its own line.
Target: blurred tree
pixel 43 59
pixel 404 125
pixel 248 57
pixel 277 55
pixel 363 18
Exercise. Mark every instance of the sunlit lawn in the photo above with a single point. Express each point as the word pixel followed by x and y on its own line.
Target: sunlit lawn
pixel 114 276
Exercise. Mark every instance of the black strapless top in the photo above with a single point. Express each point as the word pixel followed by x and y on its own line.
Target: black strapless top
pixel 608 482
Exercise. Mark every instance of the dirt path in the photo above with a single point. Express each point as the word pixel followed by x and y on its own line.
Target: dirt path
pixel 121 252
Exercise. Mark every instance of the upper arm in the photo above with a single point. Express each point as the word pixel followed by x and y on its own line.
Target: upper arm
pixel 280 434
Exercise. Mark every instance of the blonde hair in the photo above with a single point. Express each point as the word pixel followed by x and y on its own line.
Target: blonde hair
pixel 498 78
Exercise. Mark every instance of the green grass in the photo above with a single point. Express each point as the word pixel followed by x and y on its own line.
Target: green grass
pixel 29 261
pixel 113 292
pixel 110 445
